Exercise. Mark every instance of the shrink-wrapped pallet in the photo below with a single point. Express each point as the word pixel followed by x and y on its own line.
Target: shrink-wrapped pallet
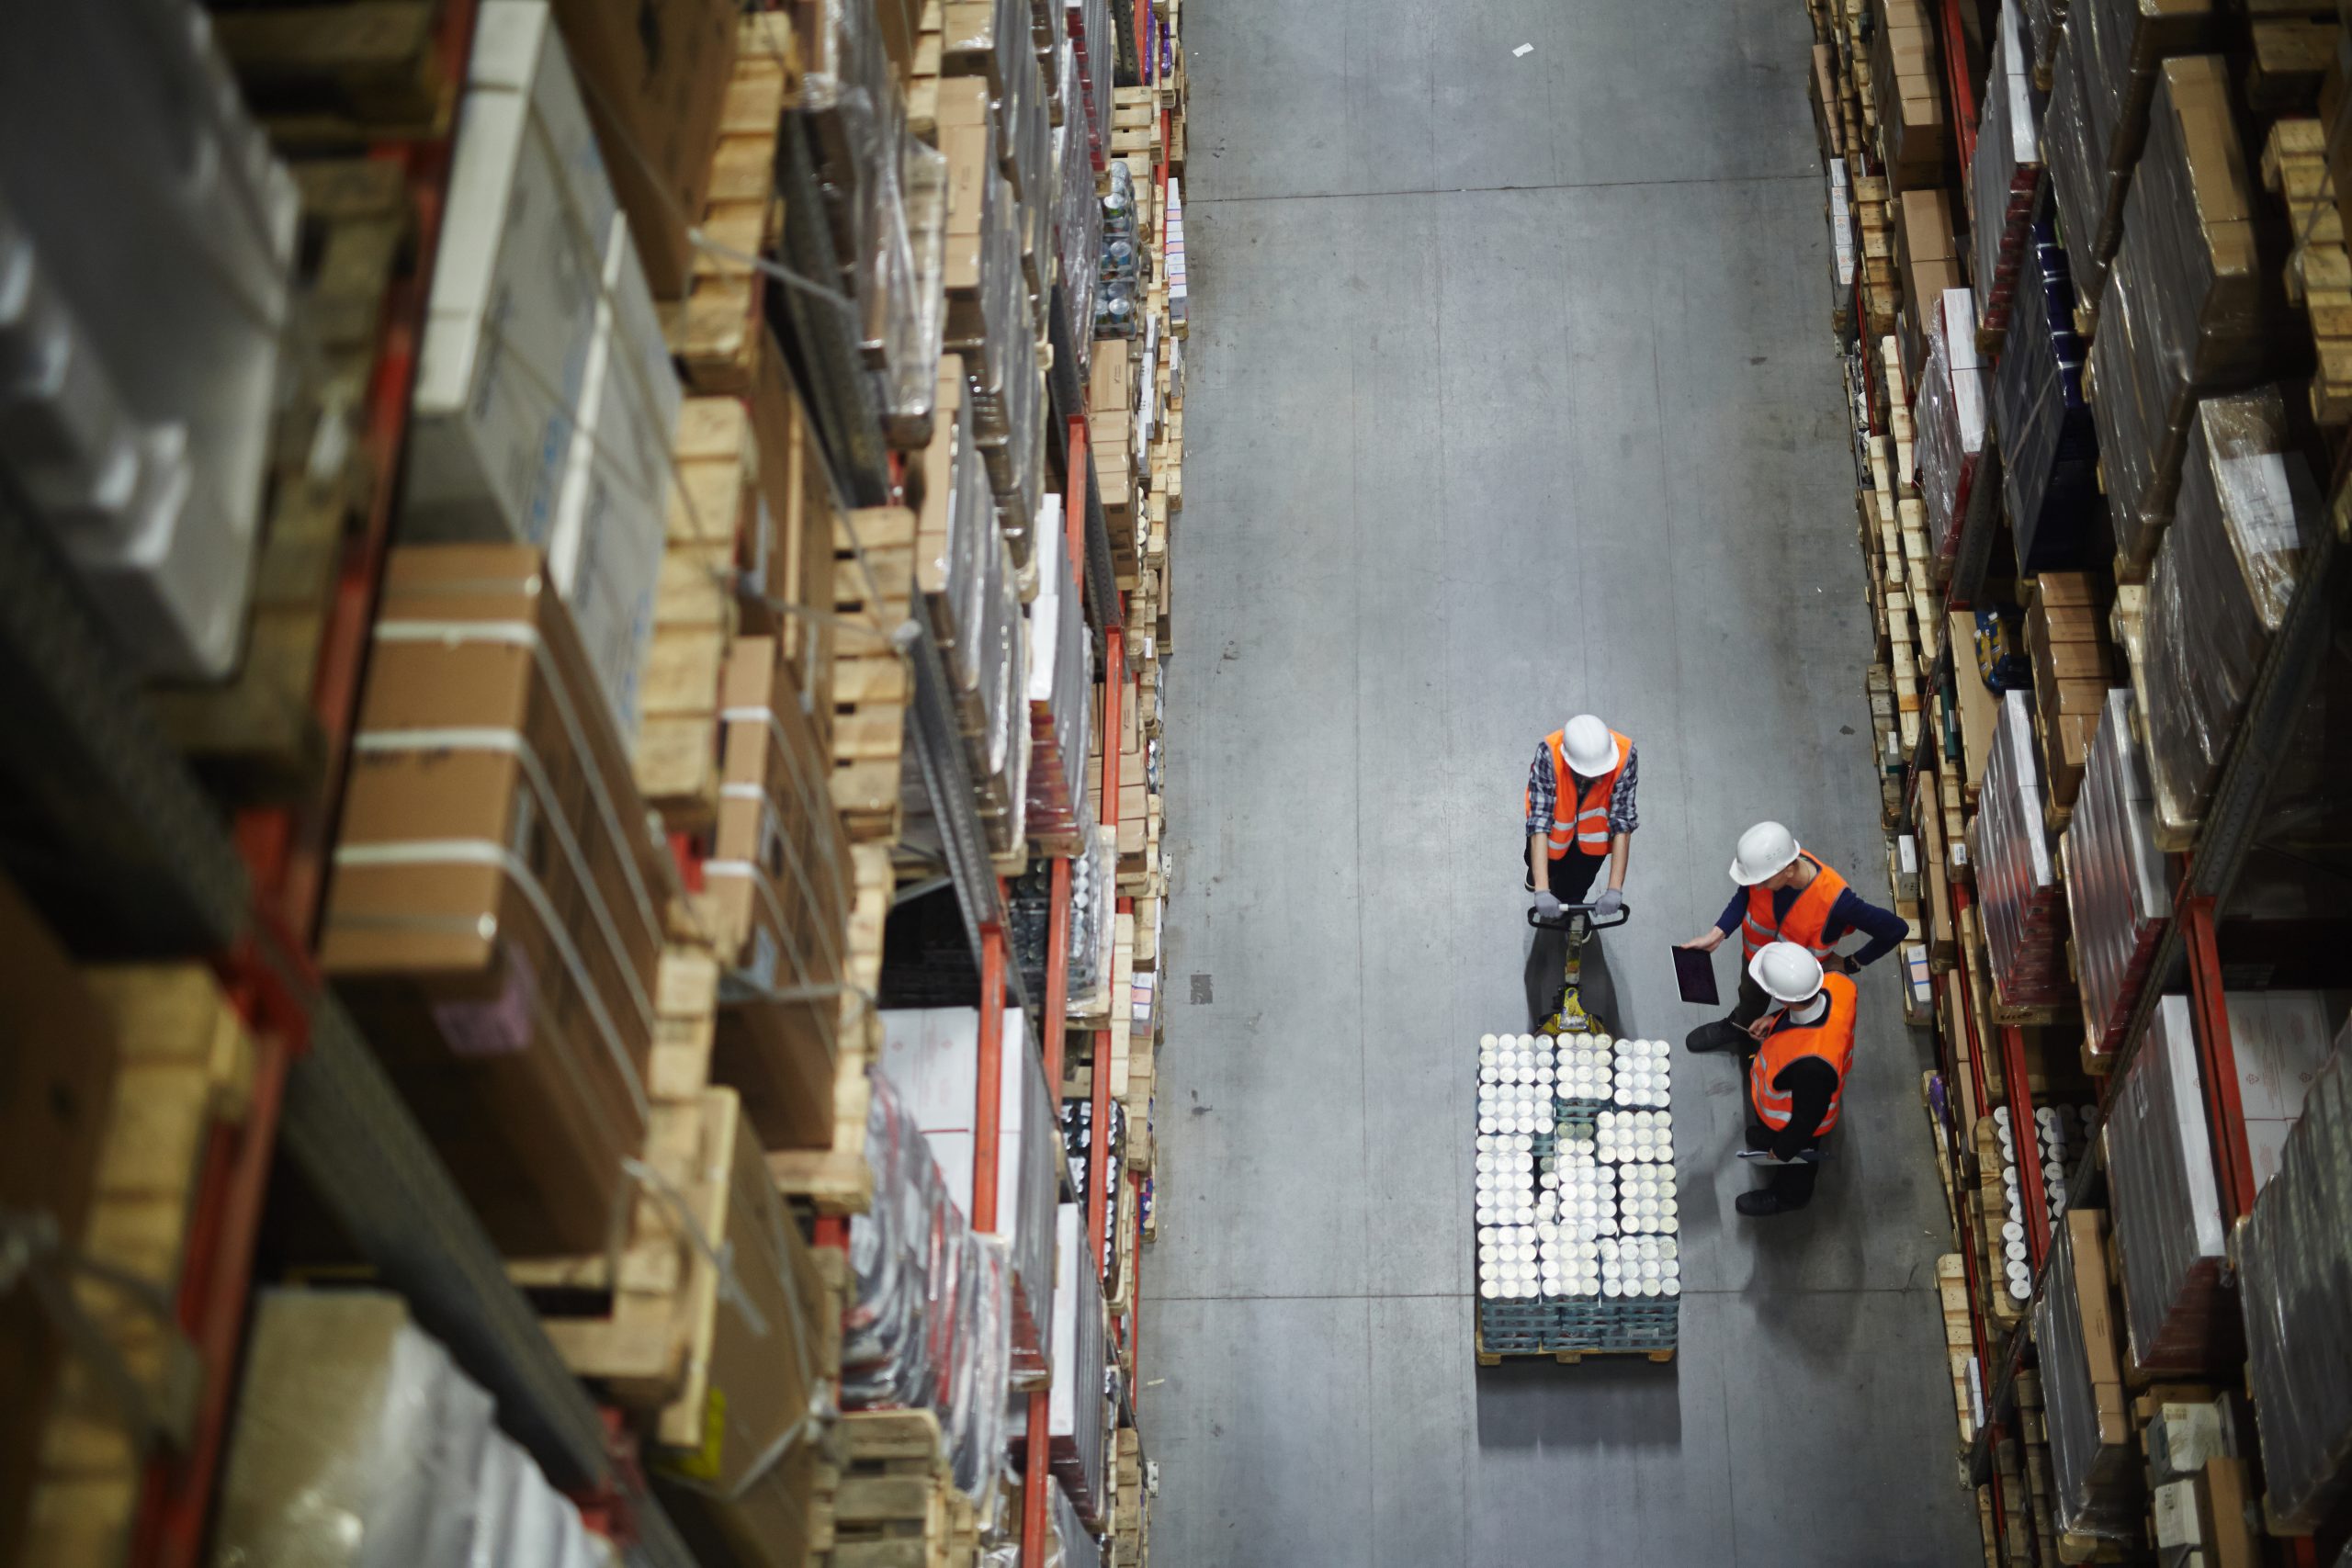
pixel 2118 891
pixel 1076 1409
pixel 2017 876
pixel 2006 173
pixel 2167 1204
pixel 2095 1488
pixel 2049 449
pixel 2217 592
pixel 1058 683
pixel 2182 313
pixel 2295 1282
pixel 1949 417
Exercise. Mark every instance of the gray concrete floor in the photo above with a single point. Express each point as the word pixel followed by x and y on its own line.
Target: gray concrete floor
pixel 1511 394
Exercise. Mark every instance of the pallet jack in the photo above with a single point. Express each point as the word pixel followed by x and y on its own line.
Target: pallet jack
pixel 1567 1014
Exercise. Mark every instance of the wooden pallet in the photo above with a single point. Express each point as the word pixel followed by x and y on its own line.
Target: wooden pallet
pixel 717 332
pixel 873 595
pixel 2319 274
pixel 339 75
pixel 256 737
pixel 889 1502
pixel 837 1180
pixel 1565 1358
pixel 185 1064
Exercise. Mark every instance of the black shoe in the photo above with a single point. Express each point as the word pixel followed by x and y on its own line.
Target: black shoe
pixel 1763 1201
pixel 1721 1035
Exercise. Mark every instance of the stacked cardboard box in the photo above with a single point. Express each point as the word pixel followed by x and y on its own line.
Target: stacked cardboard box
pixel 2066 639
pixel 2183 313
pixel 1915 134
pixel 1928 257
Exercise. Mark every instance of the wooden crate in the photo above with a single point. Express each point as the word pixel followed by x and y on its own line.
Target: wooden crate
pixel 717 333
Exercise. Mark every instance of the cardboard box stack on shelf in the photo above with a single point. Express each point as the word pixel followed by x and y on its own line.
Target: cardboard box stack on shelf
pixel 2101 404
pixel 600 734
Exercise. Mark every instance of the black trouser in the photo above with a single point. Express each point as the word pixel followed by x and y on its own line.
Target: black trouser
pixel 1792 1184
pixel 1752 1003
pixel 1571 876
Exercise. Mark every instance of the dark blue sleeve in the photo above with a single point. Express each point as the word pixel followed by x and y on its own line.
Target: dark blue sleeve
pixel 1733 912
pixel 1885 928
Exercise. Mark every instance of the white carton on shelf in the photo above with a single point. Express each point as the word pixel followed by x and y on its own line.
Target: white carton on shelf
pixel 503 364
pixel 604 549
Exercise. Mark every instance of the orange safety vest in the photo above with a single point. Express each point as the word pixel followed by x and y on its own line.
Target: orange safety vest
pixel 1580 820
pixel 1832 1040
pixel 1808 913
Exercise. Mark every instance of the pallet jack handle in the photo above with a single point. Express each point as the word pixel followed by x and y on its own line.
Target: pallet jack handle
pixel 1568 913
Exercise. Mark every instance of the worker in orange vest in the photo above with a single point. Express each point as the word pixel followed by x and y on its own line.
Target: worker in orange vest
pixel 1784 894
pixel 1797 1076
pixel 1580 811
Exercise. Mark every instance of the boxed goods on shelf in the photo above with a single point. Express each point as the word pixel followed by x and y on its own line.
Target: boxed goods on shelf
pixel 1948 416
pixel 1915 133
pixel 495 916
pixel 2217 592
pixel 359 1442
pixel 158 235
pixel 2103 76
pixel 2005 180
pixel 2183 313
pixel 1058 697
pixel 929 1323
pixel 2119 890
pixel 654 78
pixel 2294 1259
pixel 2168 1228
pixel 2066 641
pixel 1077 1408
pixel 2281 1040
pixel 779 885
pixel 1928 259
pixel 2048 447
pixel 2096 1483
pixel 2017 876
pixel 931 1058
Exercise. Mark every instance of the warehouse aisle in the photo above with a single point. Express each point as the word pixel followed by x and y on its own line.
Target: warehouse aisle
pixel 1512 395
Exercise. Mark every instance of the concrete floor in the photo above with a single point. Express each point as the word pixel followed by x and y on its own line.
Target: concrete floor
pixel 1511 394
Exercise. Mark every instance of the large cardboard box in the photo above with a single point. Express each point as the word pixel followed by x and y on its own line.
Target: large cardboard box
pixel 494 917
pixel 503 363
pixel 57 1075
pixel 780 890
pixel 654 74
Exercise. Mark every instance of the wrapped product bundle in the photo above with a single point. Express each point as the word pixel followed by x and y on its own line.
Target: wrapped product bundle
pixel 2182 315
pixel 1078 1409
pixel 2048 447
pixel 1077 220
pixel 2017 876
pixel 1950 418
pixel 2119 890
pixel 2295 1284
pixel 2095 1488
pixel 2166 1201
pixel 2006 174
pixel 2217 592
pixel 1060 682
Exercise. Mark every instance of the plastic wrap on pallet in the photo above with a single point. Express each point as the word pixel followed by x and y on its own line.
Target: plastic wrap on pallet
pixel 2183 310
pixel 2048 447
pixel 1077 1405
pixel 360 1444
pixel 1077 1546
pixel 2217 592
pixel 1950 418
pixel 2095 1488
pixel 2044 21
pixel 932 1057
pixel 2017 876
pixel 2294 1255
pixel 2007 169
pixel 884 193
pixel 950 570
pixel 2165 1200
pixel 159 233
pixel 1092 55
pixel 1060 683
pixel 1078 223
pixel 2111 56
pixel 2119 893
pixel 2080 185
pixel 929 1322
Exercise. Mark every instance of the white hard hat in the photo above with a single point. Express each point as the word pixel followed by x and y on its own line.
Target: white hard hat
pixel 1788 973
pixel 1765 850
pixel 1591 749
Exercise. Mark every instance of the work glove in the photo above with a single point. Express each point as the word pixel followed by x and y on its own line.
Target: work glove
pixel 1607 904
pixel 1546 907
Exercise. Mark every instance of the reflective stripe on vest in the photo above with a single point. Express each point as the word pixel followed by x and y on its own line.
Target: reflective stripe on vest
pixel 1808 914
pixel 1580 820
pixel 1832 1040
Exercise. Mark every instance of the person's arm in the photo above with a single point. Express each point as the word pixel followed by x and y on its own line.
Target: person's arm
pixel 1810 1084
pixel 1542 792
pixel 1536 874
pixel 1885 928
pixel 1624 816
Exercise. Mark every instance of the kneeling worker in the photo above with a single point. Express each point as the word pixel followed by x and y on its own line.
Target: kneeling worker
pixel 1798 1074
pixel 1786 895
pixel 1580 809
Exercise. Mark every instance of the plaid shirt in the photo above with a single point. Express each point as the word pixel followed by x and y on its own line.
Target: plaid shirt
pixel 1541 792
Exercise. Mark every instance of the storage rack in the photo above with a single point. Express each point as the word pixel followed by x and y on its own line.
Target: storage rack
pixel 2210 868
pixel 107 830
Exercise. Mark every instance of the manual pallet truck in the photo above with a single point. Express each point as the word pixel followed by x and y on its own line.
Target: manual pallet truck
pixel 1567 1014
